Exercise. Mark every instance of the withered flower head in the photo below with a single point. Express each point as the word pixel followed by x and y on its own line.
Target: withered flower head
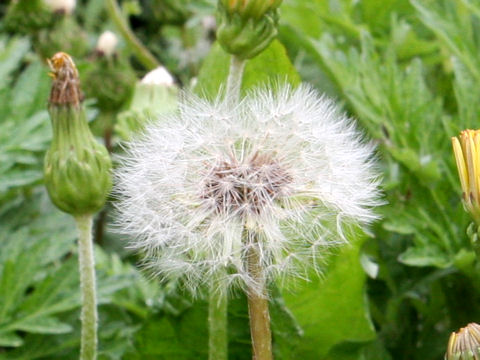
pixel 66 83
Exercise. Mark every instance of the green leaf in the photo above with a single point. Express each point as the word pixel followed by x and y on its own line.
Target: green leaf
pixel 11 52
pixel 425 256
pixel 44 325
pixel 10 339
pixel 333 309
pixel 270 66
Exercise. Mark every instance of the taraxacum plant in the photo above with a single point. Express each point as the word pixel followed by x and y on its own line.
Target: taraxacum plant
pixel 242 195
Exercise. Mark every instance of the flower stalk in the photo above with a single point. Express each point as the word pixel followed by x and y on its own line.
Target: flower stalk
pixel 89 315
pixel 234 80
pixel 258 312
pixel 140 51
pixel 217 324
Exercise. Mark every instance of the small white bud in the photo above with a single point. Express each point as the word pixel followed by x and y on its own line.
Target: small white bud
pixel 159 76
pixel 209 23
pixel 107 42
pixel 64 6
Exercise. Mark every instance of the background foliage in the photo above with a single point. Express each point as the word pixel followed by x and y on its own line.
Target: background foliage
pixel 407 70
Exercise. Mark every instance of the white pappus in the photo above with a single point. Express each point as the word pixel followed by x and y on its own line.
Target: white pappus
pixel 284 165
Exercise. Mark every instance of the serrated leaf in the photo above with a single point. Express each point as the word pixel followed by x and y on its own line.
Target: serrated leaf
pixel 43 325
pixel 26 88
pixel 425 256
pixel 11 52
pixel 10 339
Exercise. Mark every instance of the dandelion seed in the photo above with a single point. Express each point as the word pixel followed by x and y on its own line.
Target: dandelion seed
pixel 287 167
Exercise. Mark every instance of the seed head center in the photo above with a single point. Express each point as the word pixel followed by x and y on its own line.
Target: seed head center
pixel 245 187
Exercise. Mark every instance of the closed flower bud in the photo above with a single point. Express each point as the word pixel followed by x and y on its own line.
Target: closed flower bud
pixel 466 149
pixel 251 8
pixel 247 27
pixel 465 344
pixel 155 95
pixel 61 6
pixel 106 44
pixel 77 168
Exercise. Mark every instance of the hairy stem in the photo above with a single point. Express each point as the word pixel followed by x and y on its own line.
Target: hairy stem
pixel 88 350
pixel 258 304
pixel 139 50
pixel 217 325
pixel 234 81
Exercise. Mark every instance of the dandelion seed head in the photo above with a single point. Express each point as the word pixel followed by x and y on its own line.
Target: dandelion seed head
pixel 284 164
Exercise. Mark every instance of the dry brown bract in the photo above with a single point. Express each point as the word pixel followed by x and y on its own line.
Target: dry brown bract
pixel 66 83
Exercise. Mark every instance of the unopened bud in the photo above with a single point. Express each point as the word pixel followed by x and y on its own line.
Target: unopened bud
pixel 77 168
pixel 61 6
pixel 106 44
pixel 466 149
pixel 465 344
pixel 158 76
pixel 155 95
pixel 247 27
pixel 250 8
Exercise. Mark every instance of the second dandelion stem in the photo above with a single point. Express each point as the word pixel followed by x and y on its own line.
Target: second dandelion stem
pixel 88 348
pixel 258 304
pixel 217 324
pixel 234 81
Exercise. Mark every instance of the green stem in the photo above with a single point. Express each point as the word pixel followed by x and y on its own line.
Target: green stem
pixel 218 303
pixel 140 51
pixel 217 325
pixel 258 303
pixel 88 350
pixel 234 80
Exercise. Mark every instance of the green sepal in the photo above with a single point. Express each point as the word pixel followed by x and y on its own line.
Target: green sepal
pixel 246 37
pixel 250 8
pixel 77 168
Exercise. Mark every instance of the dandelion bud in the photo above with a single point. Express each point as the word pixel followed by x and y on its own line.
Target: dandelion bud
pixel 465 344
pixel 159 76
pixel 247 27
pixel 251 8
pixel 61 6
pixel 106 44
pixel 77 168
pixel 466 148
pixel 154 95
